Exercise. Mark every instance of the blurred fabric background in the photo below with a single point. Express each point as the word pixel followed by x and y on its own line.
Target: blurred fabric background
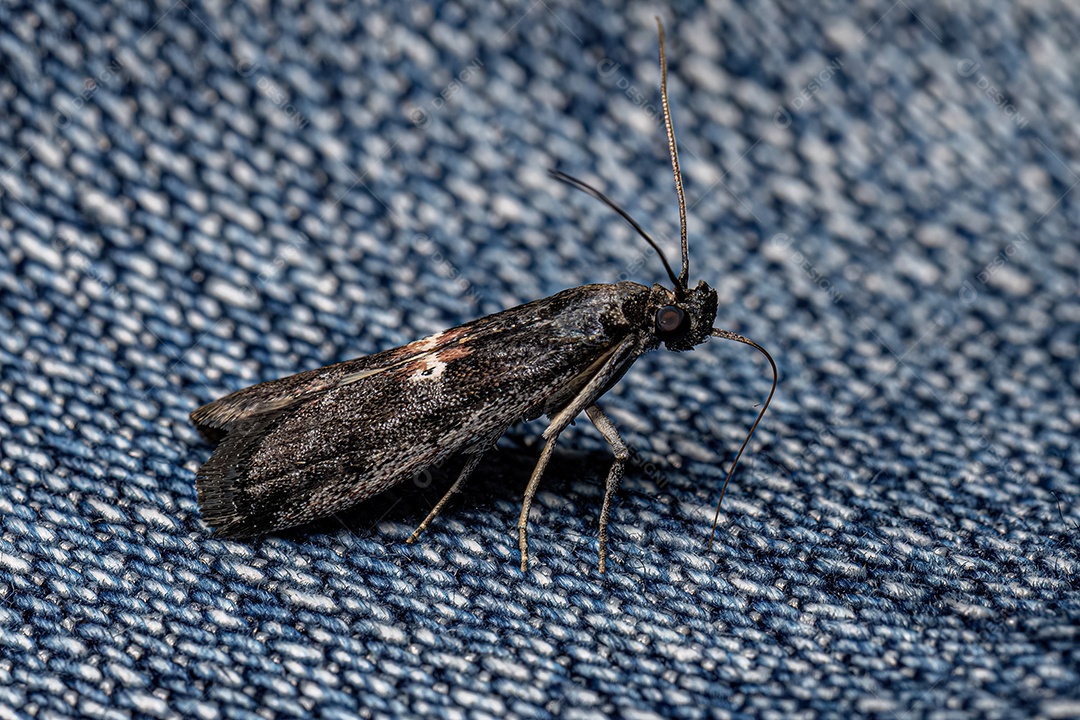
pixel 198 196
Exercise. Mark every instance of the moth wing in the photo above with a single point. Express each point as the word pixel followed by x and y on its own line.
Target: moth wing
pixel 216 419
pixel 304 447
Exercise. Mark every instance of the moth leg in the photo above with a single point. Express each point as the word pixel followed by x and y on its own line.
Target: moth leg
pixel 470 465
pixel 615 475
pixel 530 493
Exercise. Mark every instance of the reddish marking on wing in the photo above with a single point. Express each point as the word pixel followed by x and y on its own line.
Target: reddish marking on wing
pixel 416 347
pixel 426 345
pixel 454 352
pixel 447 336
pixel 413 367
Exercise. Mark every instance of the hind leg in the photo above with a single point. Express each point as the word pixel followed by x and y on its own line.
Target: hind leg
pixel 470 465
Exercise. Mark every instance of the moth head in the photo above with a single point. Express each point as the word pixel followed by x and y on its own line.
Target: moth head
pixel 684 319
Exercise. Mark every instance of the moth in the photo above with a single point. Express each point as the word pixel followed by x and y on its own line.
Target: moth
pixel 311 444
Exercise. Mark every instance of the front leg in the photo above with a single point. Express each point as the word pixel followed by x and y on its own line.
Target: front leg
pixel 530 493
pixel 607 429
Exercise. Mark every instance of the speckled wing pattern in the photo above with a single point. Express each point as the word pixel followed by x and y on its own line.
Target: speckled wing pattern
pixel 305 446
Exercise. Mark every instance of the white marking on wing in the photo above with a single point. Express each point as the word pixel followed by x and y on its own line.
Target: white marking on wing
pixel 432 369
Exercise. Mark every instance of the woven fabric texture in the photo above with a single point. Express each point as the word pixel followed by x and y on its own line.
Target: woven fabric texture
pixel 198 196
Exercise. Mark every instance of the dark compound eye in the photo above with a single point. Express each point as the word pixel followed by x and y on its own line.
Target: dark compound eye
pixel 672 323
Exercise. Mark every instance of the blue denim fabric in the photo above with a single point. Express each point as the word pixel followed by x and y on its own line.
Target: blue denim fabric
pixel 199 196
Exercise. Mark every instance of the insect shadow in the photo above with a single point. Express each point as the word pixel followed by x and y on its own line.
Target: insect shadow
pixel 576 479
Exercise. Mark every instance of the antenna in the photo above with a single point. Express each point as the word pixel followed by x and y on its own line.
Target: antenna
pixel 587 188
pixel 684 274
pixel 728 335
